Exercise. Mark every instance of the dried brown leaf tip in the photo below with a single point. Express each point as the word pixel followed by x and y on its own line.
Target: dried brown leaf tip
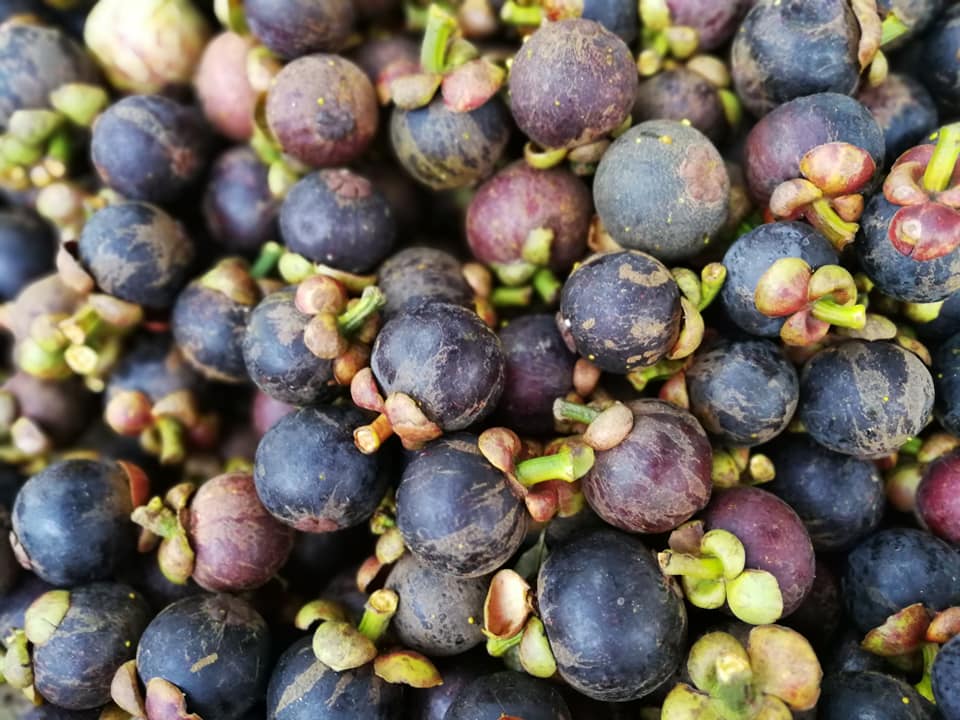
pixel 925 182
pixel 828 193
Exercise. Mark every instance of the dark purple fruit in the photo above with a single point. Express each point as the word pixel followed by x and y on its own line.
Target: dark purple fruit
pixel 658 476
pixel 895 568
pixel 778 141
pixel 27 248
pixel 865 398
pixel 616 626
pixel 945 677
pixel 939 59
pixel 573 82
pixel 149 147
pixel 310 475
pixel 840 499
pixel 519 200
pixel 214 648
pixel 74 666
pixel 419 350
pixel 743 392
pixel 457 673
pixel 662 188
pixel 71 522
pixel 277 360
pixel 622 310
pixel 240 210
pixel 439 614
pixel 34 61
pixel 715 22
pixel 895 274
pixel 322 110
pixel 773 536
pixel 511 694
pixel 787 50
pixel 338 218
pixel 137 253
pixel 457 513
pixel 946 380
pixel 539 370
pixel 60 409
pixel 238 545
pixel 904 111
pixel 303 688
pixel 154 366
pixel 417 275
pixel 443 149
pixel 682 94
pixel 751 255
pixel 870 694
pixel 291 28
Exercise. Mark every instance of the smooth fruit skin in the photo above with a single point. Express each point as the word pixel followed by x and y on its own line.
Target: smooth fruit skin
pixel 439 614
pixel 72 521
pixel 939 59
pixel 744 393
pixel 662 188
pixel 303 688
pixel 418 275
pixel 865 398
pixel 539 370
pixel 946 680
pixel 310 475
pixel 751 255
pixel 773 536
pixel 291 28
pixel 895 568
pixel 511 694
pixel 239 209
pixel 622 310
pixel 573 82
pixel 682 94
pixel 215 648
pixel 903 109
pixel 938 497
pixel 99 633
pixel 27 249
pixel 418 352
pixel 946 379
pixel 457 512
pixel 616 626
pixel 154 365
pixel 658 477
pixel 222 86
pixel 870 694
pixel 839 498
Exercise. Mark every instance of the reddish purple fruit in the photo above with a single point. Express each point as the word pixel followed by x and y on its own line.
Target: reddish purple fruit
pixel 773 536
pixel 938 497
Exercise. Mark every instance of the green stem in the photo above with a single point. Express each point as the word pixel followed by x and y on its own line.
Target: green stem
pixel 558 466
pixel 911 446
pixel 733 689
pixel 498 647
pixel 441 26
pixel 377 614
pixel 837 230
pixel 712 278
pixel 547 285
pixel 691 566
pixel 528 15
pixel 351 320
pixel 937 176
pixel 575 411
pixel 848 316
pixel 543 159
pixel 267 260
pixel 892 28
pixel 172 448
pixel 511 296
pixel 660 371
pixel 924 687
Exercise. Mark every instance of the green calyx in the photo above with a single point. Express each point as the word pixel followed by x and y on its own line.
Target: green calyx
pixel 356 315
pixel 571 463
pixel 712 572
pixel 702 290
pixel 44 616
pixel 521 15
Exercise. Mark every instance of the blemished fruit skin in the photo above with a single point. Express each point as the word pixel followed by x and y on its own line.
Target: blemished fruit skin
pixel 418 275
pixel 945 677
pixel 636 637
pixel 303 688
